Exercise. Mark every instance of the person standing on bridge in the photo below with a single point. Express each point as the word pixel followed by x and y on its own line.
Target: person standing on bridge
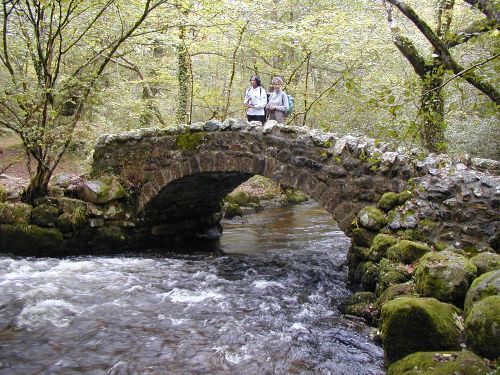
pixel 256 100
pixel 277 106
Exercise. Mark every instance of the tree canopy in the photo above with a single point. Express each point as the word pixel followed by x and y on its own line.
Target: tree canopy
pixel 422 74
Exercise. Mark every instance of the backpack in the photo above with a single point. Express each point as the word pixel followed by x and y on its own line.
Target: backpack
pixel 291 104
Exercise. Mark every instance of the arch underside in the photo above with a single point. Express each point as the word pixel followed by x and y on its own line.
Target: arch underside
pixel 191 191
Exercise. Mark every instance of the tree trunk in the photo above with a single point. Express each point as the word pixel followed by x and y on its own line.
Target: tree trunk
pixel 432 127
pixel 39 184
pixel 182 78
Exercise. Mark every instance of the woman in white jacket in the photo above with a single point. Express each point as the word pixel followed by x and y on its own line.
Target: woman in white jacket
pixel 256 100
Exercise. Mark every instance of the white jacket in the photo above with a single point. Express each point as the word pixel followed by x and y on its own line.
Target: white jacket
pixel 258 97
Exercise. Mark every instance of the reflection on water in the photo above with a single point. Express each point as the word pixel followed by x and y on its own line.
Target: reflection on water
pixel 265 305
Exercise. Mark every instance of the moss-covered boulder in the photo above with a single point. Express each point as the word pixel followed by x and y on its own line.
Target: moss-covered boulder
pixel 293 196
pixel 482 327
pixel 44 215
pixel 103 190
pixel 69 205
pixel 362 237
pixel 232 210
pixel 391 273
pixel 407 251
pixel 486 262
pixel 15 213
pixel 440 363
pixel 241 198
pixel 372 218
pixel 366 275
pixel 388 201
pixel 23 239
pixel 378 249
pixel 362 305
pixel 445 276
pixel 411 325
pixel 396 291
pixel 486 285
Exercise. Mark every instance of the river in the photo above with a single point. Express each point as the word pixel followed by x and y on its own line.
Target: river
pixel 263 303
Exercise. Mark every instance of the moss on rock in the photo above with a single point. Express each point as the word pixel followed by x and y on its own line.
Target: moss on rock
pixel 390 273
pixel 15 213
pixel 64 223
pixel 486 262
pixel 414 324
pixel 482 327
pixel 190 141
pixel 407 251
pixel 362 237
pixel 372 218
pixel 241 198
pixel 444 275
pixel 395 291
pixel 44 215
pixel 486 285
pixel 294 196
pixel 440 363
pixel 379 246
pixel 388 201
pixel 25 239
pixel 232 210
pixel 366 275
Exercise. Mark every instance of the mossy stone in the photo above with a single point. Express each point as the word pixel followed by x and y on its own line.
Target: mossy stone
pixel 488 284
pixel 412 324
pixel 486 262
pixel 388 201
pixel 379 246
pixel 440 363
pixel 444 275
pixel 15 213
pixel 361 304
pixel 390 273
pixel 31 240
pixel 482 327
pixel 64 223
pixel 362 237
pixel 232 210
pixel 190 141
pixel 103 190
pixel 407 251
pixel 396 291
pixel 68 205
pixel 240 198
pixel 366 275
pixel 44 215
pixel 294 196
pixel 372 218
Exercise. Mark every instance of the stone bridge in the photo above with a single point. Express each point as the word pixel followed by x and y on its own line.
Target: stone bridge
pixel 177 178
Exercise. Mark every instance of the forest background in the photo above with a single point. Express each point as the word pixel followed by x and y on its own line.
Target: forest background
pixel 418 74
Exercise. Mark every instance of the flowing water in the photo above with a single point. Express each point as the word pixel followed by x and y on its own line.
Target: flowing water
pixel 264 303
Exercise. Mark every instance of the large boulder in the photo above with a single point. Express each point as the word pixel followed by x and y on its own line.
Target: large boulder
pixel 416 324
pixel 486 262
pixel 484 286
pixel 407 251
pixel 444 275
pixel 482 327
pixel 104 190
pixel 436 363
